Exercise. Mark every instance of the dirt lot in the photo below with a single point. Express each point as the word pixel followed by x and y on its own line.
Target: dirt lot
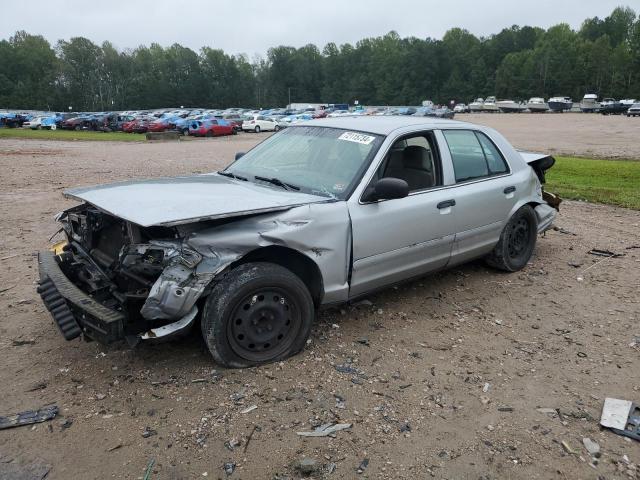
pixel 447 373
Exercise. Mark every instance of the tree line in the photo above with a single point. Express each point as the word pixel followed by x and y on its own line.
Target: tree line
pixel 602 57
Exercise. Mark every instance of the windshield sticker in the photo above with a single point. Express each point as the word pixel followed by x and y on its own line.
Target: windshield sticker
pixel 357 137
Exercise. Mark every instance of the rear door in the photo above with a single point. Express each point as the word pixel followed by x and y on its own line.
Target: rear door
pixel 485 192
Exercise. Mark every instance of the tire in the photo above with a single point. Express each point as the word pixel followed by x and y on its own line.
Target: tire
pixel 277 128
pixel 185 132
pixel 209 134
pixel 517 241
pixel 258 313
pixel 257 129
pixel 77 128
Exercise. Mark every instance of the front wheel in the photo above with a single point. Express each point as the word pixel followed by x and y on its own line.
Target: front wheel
pixel 277 128
pixel 517 241
pixel 258 313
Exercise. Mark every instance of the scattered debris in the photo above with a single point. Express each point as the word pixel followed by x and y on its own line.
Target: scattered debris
pixel 256 428
pixel 115 447
pixel 232 444
pixel 547 410
pixel 592 447
pixel 20 343
pixel 199 380
pixel 486 387
pixel 249 409
pixel 66 424
pixel 37 386
pixel 348 369
pixel 147 472
pixel 2 290
pixel 148 432
pixel 505 409
pixel 622 417
pixel 582 354
pixel 405 427
pixel 363 341
pixel 567 448
pixel 562 230
pixel 326 430
pixel 229 468
pixel 604 253
pixel 29 417
pixel 363 466
pixel 575 264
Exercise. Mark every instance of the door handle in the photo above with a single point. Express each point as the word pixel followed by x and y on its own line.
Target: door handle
pixel 446 204
pixel 509 190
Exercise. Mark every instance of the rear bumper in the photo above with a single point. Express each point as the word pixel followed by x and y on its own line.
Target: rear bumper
pixel 546 215
pixel 73 311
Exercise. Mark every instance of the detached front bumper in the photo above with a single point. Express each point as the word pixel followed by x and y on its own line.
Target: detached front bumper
pixel 73 311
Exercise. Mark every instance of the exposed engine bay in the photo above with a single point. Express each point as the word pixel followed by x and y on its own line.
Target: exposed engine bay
pixel 120 265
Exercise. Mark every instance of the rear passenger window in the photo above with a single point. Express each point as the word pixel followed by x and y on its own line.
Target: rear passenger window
pixel 495 161
pixel 473 155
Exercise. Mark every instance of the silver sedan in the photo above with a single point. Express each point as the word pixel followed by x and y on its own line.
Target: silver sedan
pixel 319 214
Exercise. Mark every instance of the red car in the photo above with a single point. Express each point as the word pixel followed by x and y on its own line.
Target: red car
pixel 211 128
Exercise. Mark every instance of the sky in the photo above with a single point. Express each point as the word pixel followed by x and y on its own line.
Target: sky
pixel 252 27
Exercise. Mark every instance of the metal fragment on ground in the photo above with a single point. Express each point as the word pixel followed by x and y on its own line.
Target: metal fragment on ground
pixel 29 417
pixel 325 430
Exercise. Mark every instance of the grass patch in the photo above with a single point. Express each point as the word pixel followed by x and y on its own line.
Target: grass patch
pixel 70 135
pixel 614 182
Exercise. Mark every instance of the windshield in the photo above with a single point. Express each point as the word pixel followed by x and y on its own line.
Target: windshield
pixel 317 160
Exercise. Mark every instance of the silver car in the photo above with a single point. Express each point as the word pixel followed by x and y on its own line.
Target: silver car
pixel 319 214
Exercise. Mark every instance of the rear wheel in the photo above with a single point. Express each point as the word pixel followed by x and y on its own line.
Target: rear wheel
pixel 258 313
pixel 257 129
pixel 517 241
pixel 277 128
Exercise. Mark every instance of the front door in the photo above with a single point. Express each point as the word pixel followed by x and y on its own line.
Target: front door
pixel 397 239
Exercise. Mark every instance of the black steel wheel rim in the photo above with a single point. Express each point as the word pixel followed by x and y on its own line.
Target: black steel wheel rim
pixel 264 324
pixel 519 238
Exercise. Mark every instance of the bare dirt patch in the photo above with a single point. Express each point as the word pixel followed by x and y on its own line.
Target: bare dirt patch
pixel 440 378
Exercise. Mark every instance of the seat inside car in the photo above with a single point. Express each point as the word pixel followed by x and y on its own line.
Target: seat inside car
pixel 413 164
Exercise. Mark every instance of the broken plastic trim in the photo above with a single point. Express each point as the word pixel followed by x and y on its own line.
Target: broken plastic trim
pixel 166 332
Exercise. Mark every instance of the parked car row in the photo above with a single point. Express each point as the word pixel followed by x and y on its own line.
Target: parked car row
pixel 204 122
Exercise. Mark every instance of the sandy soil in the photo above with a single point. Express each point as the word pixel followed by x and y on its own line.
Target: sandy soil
pixel 450 371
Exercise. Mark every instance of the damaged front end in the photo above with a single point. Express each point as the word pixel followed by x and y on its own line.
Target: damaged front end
pixel 112 279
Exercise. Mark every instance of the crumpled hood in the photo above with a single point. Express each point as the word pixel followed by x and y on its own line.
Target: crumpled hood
pixel 179 200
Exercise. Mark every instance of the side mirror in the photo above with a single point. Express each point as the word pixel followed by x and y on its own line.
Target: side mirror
pixel 387 188
pixel 239 155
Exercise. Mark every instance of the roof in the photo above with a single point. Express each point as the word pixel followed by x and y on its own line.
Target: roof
pixel 383 125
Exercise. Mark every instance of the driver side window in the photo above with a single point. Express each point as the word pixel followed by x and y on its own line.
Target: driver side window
pixel 413 159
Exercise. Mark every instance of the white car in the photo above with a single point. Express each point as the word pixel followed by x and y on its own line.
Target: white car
pixel 34 124
pixel 460 108
pixel 260 123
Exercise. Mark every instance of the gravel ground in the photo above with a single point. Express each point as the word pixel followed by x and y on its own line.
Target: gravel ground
pixel 442 377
